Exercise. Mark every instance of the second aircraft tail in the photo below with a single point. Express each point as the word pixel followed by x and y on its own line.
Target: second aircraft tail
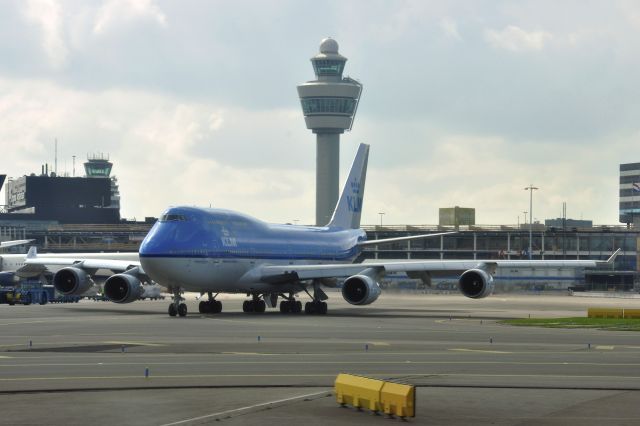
pixel 349 209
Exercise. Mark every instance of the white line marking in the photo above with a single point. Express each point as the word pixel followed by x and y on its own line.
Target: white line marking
pixel 221 413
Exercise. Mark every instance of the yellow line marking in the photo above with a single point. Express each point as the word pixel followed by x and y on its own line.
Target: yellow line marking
pixel 605 348
pixel 379 343
pixel 479 350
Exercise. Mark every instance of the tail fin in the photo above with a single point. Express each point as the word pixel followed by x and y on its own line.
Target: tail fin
pixel 349 209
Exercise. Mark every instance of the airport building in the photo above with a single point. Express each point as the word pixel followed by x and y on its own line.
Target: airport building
pixel 630 194
pixel 48 197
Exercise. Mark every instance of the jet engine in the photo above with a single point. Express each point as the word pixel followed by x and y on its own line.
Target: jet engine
pixel 360 290
pixel 476 283
pixel 123 288
pixel 72 281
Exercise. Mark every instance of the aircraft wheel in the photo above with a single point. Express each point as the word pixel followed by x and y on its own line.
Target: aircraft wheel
pixel 204 307
pixel 322 308
pixel 247 306
pixel 285 307
pixel 309 308
pixel 27 300
pixel 182 310
pixel 44 298
pixel 260 306
pixel 172 310
pixel 217 307
pixel 297 307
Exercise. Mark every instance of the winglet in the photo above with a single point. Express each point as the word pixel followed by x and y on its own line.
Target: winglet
pixel 33 252
pixel 612 258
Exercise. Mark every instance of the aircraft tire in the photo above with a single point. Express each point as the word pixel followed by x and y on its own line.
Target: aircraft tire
pixel 260 306
pixel 297 307
pixel 285 307
pixel 247 306
pixel 182 310
pixel 172 310
pixel 204 307
pixel 309 308
pixel 322 308
pixel 216 307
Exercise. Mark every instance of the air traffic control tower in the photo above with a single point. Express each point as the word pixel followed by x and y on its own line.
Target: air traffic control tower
pixel 329 105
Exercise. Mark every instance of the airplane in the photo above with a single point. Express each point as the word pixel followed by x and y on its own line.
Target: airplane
pixel 213 251
pixel 5 244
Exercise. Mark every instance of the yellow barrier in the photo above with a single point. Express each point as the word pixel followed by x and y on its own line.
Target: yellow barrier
pixel 398 400
pixel 605 313
pixel 358 391
pixel 632 313
pixel 376 395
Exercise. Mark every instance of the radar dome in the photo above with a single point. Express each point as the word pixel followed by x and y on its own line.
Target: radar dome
pixel 328 45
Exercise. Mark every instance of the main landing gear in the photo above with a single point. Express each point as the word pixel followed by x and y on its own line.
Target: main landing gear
pixel 177 307
pixel 316 307
pixel 210 306
pixel 254 305
pixel 290 306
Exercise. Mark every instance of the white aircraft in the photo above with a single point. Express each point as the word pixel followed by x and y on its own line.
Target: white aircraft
pixel 5 244
pixel 222 251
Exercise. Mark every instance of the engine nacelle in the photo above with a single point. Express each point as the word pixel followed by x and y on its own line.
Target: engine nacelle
pixel 123 288
pixel 72 281
pixel 360 290
pixel 476 283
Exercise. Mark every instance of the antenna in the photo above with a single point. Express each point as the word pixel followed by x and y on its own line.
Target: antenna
pixel 74 165
pixel 55 164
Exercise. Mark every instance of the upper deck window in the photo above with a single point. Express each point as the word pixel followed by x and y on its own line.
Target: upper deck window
pixel 172 218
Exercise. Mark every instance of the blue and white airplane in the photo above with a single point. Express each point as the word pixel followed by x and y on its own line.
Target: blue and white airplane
pixel 214 251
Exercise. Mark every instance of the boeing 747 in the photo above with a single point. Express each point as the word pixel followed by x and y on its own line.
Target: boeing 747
pixel 214 251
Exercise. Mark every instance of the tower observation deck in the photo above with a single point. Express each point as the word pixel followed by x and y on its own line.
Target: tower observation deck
pixel 329 105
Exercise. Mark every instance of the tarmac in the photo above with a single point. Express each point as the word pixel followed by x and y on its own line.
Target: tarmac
pixel 100 363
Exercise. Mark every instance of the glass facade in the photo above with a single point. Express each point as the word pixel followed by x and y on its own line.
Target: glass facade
pixel 326 105
pixel 328 67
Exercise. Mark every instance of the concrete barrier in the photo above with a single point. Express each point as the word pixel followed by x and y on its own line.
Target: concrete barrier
pixel 393 399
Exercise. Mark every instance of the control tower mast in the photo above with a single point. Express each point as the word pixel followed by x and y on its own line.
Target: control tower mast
pixel 329 105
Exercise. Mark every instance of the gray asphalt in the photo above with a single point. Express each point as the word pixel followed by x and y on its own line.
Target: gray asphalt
pixel 85 363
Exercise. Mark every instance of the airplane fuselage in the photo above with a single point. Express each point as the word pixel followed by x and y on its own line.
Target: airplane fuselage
pixel 217 250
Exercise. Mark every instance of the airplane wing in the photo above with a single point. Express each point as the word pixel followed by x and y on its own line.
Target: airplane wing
pixel 393 240
pixel 6 244
pixel 86 264
pixel 283 273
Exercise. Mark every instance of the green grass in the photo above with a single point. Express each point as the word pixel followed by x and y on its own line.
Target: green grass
pixel 578 322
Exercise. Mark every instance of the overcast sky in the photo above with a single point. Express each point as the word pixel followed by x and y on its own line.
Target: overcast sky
pixel 464 103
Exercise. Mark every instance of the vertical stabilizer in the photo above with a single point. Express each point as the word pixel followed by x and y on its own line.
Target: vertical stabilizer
pixel 349 209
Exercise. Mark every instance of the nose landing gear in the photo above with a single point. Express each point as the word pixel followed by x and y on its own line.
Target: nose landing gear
pixel 177 307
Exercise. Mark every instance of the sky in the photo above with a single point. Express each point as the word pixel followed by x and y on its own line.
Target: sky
pixel 464 103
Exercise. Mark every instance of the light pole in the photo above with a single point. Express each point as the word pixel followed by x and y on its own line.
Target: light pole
pixel 381 214
pixel 530 188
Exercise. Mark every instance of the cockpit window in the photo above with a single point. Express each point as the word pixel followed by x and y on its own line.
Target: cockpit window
pixel 172 218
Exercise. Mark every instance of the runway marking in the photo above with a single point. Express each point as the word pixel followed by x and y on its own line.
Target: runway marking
pixel 479 350
pixel 135 343
pixel 249 407
pixel 141 378
pixel 605 348
pixel 379 343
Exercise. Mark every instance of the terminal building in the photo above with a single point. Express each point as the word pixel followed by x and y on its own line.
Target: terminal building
pixel 630 194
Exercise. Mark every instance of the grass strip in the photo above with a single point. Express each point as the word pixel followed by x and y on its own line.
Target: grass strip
pixel 578 322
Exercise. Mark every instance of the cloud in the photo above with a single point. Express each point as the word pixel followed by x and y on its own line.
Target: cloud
pixel 47 15
pixel 516 39
pixel 450 28
pixel 117 12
